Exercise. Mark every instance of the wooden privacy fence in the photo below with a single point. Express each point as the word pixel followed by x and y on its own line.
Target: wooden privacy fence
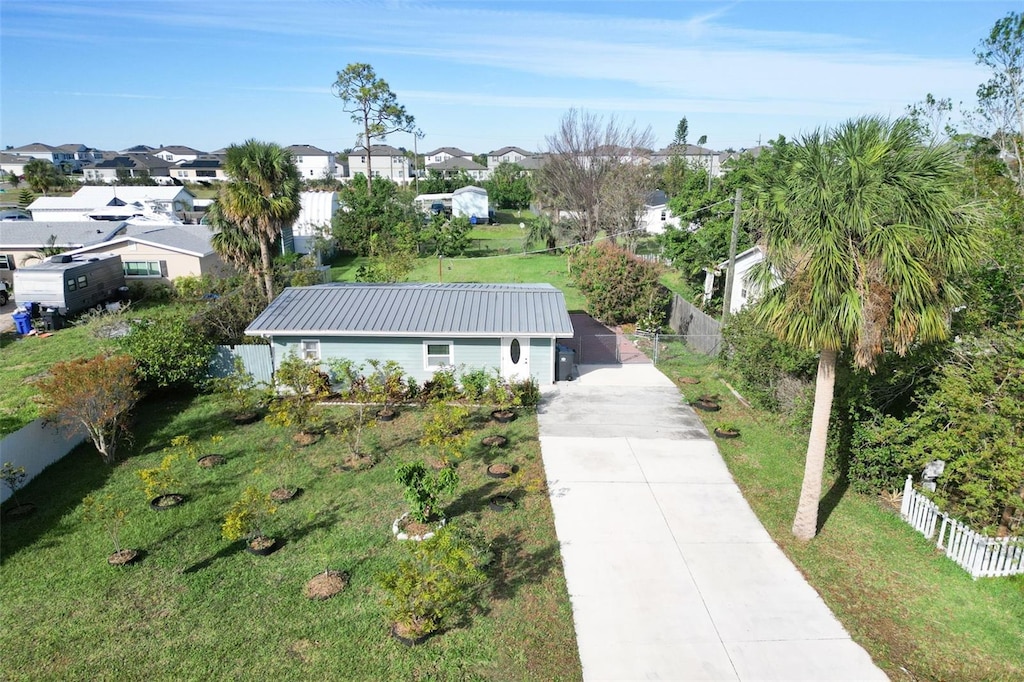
pixel 257 359
pixel 701 332
pixel 979 555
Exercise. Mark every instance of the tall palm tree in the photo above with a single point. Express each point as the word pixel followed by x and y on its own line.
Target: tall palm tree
pixel 232 244
pixel 865 229
pixel 261 197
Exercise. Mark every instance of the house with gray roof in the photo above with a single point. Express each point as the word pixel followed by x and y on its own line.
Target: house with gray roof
pixel 452 166
pixel 385 162
pixel 506 155
pixel 442 154
pixel 26 239
pixel 510 328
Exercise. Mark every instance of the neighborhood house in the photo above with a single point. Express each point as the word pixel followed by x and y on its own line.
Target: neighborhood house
pixel 510 328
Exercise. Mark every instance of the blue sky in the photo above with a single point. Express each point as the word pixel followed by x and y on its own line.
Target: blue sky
pixel 477 75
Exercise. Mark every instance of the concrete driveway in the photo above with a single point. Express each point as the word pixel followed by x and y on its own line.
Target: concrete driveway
pixel 670 574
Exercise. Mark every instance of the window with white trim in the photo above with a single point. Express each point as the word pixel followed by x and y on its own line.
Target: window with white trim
pixel 133 268
pixel 438 354
pixel 5 262
pixel 311 349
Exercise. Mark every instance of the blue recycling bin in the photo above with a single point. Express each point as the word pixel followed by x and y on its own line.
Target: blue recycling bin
pixel 22 322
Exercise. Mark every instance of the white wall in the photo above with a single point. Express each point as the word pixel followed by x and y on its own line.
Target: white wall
pixel 471 203
pixel 35 447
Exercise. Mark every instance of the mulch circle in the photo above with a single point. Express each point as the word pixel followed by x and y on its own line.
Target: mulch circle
pixel 494 441
pixel 261 546
pixel 689 380
pixel 123 557
pixel 500 470
pixel 304 438
pixel 245 418
pixel 210 461
pixel 21 511
pixel 162 502
pixel 284 494
pixel 503 416
pixel 354 463
pixel 707 406
pixel 325 585
pixel 500 503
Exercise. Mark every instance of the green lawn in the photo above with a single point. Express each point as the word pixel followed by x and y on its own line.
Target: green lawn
pixel 498 268
pixel 198 607
pixel 918 614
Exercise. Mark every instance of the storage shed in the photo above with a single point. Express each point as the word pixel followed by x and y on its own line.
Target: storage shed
pixel 507 327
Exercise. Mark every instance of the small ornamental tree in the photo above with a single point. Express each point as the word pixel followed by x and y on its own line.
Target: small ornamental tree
pixel 424 488
pixel 96 394
pixel 619 286
pixel 247 516
pixel 445 430
pixel 13 477
pixel 104 511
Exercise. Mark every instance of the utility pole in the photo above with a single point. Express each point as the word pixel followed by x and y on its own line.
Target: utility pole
pixel 731 270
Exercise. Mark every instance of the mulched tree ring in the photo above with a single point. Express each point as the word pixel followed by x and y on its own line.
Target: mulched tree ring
pixel 707 405
pixel 500 503
pixel 305 438
pixel 354 462
pixel 168 501
pixel 494 441
pixel 261 545
pixel 245 418
pixel 500 470
pixel 123 557
pixel 407 639
pixel 386 415
pixel 325 585
pixel 20 511
pixel 210 461
pixel 503 416
pixel 284 494
pixel 689 380
pixel 727 433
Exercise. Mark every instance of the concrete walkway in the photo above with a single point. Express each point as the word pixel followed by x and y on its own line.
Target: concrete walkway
pixel 670 574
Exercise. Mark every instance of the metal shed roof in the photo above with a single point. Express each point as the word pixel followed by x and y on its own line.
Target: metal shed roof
pixel 453 310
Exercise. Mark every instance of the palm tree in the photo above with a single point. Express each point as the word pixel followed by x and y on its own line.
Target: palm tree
pixel 41 175
pixel 232 244
pixel 543 229
pixel 261 197
pixel 865 229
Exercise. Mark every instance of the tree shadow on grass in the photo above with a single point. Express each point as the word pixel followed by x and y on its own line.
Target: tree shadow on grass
pixel 514 568
pixel 472 500
pixel 831 500
pixel 55 492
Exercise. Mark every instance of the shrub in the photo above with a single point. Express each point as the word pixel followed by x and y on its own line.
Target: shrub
pixel 190 287
pixel 526 392
pixel 160 480
pixel 240 388
pixel 170 353
pixel 474 383
pixel 762 361
pixel 107 514
pixel 434 586
pixel 248 515
pixel 423 488
pixel 445 430
pixel 13 477
pixel 442 386
pixel 97 394
pixel 619 286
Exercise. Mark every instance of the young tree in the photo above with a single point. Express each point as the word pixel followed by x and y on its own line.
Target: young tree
pixel 261 197
pixel 682 130
pixel 1001 98
pixel 866 230
pixel 97 394
pixel 581 153
pixel 386 211
pixel 373 106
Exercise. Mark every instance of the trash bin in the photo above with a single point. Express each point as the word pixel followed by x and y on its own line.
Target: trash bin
pixel 22 322
pixel 53 320
pixel 564 365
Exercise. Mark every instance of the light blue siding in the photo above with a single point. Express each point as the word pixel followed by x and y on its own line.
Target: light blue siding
pixel 408 352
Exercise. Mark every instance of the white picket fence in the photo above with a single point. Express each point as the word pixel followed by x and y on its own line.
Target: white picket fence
pixel 979 555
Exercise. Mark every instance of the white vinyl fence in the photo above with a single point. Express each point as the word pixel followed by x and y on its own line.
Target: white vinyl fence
pixel 979 555
pixel 36 446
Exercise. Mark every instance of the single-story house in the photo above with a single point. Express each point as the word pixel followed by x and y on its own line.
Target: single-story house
pixel 507 327
pixel 112 203
pixel 26 239
pixel 154 252
pixel 744 288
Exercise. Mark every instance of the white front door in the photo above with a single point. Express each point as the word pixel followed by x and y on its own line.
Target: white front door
pixel 515 358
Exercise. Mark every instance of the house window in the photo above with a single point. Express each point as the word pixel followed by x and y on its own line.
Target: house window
pixel 5 262
pixel 141 268
pixel 437 354
pixel 310 349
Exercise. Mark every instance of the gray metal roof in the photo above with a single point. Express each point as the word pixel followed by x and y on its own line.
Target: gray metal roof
pixel 452 310
pixel 32 234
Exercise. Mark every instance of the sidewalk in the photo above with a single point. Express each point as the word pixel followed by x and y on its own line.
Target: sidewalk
pixel 670 574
